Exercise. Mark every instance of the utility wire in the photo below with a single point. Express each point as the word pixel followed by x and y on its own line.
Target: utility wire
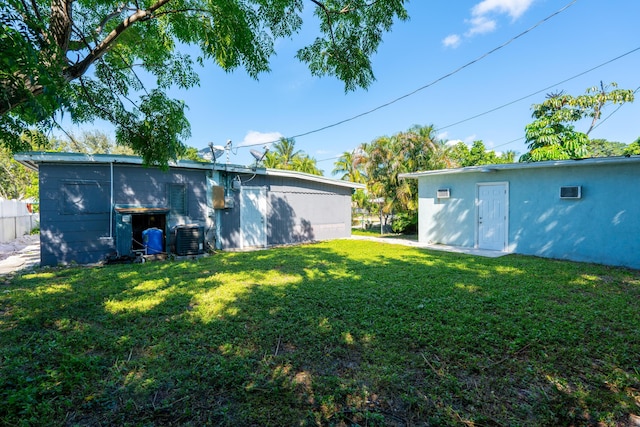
pixel 614 111
pixel 541 90
pixel 529 96
pixel 457 70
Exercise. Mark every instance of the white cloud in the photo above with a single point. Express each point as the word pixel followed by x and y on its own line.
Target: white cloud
pixel 484 16
pixel 514 8
pixel 452 41
pixel 442 135
pixel 481 25
pixel 452 142
pixel 469 139
pixel 254 137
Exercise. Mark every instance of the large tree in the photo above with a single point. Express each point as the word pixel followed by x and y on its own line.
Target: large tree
pixel 461 155
pixel 80 57
pixel 552 135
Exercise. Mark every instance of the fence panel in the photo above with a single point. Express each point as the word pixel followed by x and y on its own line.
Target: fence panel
pixel 16 220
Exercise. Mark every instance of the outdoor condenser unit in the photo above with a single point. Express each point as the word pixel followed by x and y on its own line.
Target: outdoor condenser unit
pixel 189 239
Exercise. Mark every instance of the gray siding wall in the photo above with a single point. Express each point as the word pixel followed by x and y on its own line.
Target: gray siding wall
pixel 148 187
pixel 74 213
pixel 301 211
pixel 297 211
pixel 75 203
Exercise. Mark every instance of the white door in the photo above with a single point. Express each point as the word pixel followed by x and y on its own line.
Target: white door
pixel 492 216
pixel 253 217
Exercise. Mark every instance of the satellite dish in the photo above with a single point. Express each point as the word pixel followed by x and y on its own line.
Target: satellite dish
pixel 217 151
pixel 205 153
pixel 258 155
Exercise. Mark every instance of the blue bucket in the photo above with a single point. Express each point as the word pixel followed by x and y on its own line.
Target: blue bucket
pixel 152 239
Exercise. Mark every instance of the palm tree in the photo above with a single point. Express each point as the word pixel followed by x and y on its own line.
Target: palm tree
pixel 271 160
pixel 304 163
pixel 387 157
pixel 285 151
pixel 285 156
pixel 349 165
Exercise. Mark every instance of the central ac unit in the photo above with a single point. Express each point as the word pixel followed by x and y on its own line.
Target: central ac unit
pixel 189 239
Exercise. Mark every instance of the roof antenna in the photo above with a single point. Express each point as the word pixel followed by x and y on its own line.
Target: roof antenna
pixel 227 147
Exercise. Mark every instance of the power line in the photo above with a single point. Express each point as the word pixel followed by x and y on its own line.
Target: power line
pixel 468 64
pixel 525 97
pixel 541 90
pixel 614 111
pixel 595 127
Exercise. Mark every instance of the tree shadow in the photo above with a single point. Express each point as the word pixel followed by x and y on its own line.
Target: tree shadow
pixel 284 226
pixel 339 333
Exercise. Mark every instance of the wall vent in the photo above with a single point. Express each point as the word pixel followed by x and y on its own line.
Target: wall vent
pixel 571 192
pixel 443 193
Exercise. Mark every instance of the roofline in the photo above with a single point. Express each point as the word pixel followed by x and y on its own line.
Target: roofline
pixel 599 161
pixel 32 159
pixel 317 178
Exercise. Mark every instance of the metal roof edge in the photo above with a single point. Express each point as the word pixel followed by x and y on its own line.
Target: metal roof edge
pixel 31 160
pixel 311 177
pixel 593 161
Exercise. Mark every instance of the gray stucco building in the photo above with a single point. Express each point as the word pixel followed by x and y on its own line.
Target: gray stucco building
pixel 95 207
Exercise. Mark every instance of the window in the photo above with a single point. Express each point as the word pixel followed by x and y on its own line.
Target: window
pixel 178 199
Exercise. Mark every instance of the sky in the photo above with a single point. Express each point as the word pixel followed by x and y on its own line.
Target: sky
pixel 472 69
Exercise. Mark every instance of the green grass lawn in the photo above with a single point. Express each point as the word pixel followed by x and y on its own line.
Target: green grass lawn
pixel 340 333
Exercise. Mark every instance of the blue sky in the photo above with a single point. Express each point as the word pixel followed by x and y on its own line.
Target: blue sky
pixel 440 37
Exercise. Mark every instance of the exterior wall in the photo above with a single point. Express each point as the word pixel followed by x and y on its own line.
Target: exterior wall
pixel 301 211
pixel 83 222
pixel 603 226
pixel 297 211
pixel 77 219
pixel 448 221
pixel 148 187
pixel 74 213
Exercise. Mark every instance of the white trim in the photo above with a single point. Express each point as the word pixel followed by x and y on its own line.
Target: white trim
pixel 496 169
pixel 506 213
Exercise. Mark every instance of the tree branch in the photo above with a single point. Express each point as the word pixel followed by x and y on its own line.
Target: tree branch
pixel 597 108
pixel 60 24
pixel 34 5
pixel 107 18
pixel 81 67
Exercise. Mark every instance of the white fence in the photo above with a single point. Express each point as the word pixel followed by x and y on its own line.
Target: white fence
pixel 16 220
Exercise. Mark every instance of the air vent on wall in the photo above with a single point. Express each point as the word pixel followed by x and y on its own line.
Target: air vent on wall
pixel 571 192
pixel 443 193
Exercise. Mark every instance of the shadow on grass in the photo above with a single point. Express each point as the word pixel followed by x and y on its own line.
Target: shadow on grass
pixel 339 333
